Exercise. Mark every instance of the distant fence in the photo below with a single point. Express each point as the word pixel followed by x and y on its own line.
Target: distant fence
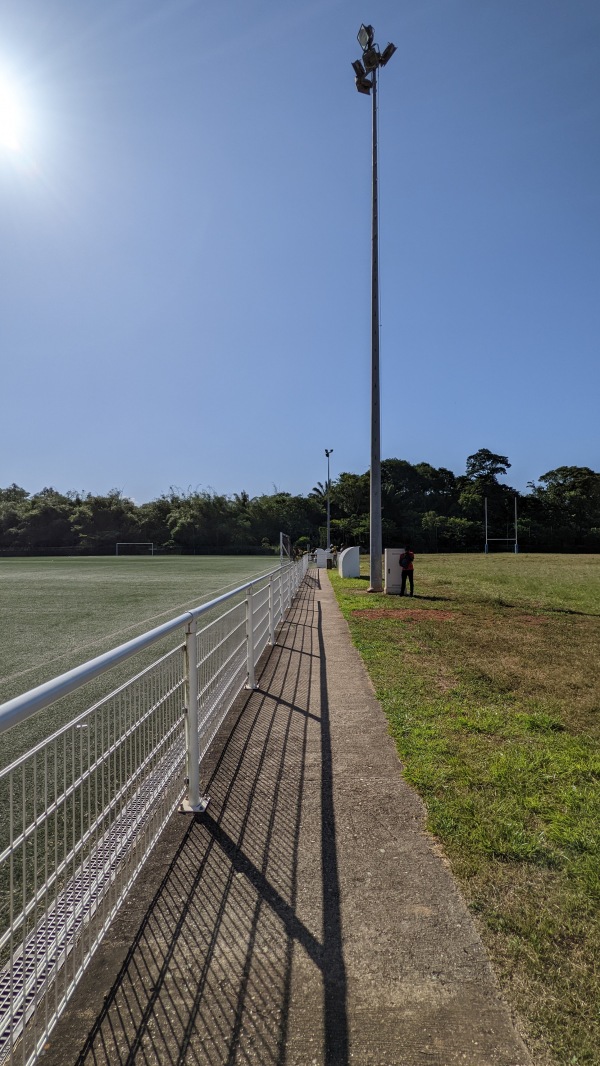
pixel 83 551
pixel 84 807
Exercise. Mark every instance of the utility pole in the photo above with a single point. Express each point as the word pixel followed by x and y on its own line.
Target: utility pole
pixel 372 60
pixel 328 452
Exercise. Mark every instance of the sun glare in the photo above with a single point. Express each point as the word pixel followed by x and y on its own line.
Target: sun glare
pixel 12 117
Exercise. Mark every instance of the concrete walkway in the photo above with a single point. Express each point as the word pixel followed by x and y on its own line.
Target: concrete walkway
pixel 306 918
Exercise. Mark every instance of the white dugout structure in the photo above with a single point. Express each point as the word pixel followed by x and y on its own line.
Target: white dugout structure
pixel 85 806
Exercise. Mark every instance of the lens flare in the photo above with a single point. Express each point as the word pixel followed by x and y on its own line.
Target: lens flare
pixel 12 117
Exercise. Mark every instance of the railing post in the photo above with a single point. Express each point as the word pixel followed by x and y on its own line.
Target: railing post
pixel 194 801
pixel 251 683
pixel 271 611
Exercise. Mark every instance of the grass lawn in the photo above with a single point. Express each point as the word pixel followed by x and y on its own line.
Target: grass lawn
pixel 489 678
pixel 58 613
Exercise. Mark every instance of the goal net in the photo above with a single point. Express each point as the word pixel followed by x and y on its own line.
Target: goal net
pixel 135 547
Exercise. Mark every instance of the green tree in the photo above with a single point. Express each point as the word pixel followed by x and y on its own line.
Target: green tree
pixel 449 533
pixel 13 505
pixel 47 521
pixel 566 504
pixel 101 521
pixel 282 512
pixel 200 520
pixel 153 519
pixel 408 491
pixel 13 494
pixel 438 489
pixel 241 520
pixel 481 482
pixel 486 465
pixel 350 495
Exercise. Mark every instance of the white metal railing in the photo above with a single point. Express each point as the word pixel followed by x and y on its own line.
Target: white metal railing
pixel 84 807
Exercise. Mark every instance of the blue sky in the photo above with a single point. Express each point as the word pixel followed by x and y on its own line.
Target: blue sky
pixel 185 240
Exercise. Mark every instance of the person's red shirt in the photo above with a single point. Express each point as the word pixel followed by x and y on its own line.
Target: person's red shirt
pixel 406 560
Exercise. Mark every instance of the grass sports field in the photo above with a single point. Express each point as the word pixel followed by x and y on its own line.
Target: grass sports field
pixel 58 613
pixel 490 681
pixel 489 678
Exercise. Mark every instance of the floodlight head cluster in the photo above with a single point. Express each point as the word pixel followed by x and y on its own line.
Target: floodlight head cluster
pixel 372 59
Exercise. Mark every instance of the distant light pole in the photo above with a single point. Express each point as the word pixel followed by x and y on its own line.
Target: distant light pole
pixel 372 60
pixel 328 452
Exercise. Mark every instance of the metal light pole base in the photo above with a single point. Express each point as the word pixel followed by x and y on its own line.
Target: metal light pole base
pixel 194 808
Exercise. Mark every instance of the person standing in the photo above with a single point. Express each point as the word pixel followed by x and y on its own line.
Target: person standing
pixel 406 565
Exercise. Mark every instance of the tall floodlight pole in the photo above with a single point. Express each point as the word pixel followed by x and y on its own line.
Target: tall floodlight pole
pixel 372 60
pixel 328 452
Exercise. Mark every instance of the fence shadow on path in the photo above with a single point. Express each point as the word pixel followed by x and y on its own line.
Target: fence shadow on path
pixel 210 976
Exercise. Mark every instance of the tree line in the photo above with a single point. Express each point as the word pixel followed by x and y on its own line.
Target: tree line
pixel 431 508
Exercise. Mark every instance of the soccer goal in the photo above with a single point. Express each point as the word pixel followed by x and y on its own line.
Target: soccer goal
pixel 135 547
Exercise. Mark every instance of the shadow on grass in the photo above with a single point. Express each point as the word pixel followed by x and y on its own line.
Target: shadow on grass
pixel 433 599
pixel 546 609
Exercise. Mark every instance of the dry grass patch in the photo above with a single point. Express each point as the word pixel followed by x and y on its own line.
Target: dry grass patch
pixel 408 614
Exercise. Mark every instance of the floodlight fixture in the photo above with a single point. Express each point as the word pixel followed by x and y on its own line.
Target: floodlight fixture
pixel 358 68
pixel 365 36
pixel 387 54
pixel 371 59
pixel 364 85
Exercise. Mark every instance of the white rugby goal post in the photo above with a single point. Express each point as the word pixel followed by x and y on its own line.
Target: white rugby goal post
pixel 506 540
pixel 124 547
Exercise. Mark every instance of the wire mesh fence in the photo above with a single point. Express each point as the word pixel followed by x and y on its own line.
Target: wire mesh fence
pixel 85 806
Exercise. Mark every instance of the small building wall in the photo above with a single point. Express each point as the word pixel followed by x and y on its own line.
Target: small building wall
pixel 349 562
pixel 321 557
